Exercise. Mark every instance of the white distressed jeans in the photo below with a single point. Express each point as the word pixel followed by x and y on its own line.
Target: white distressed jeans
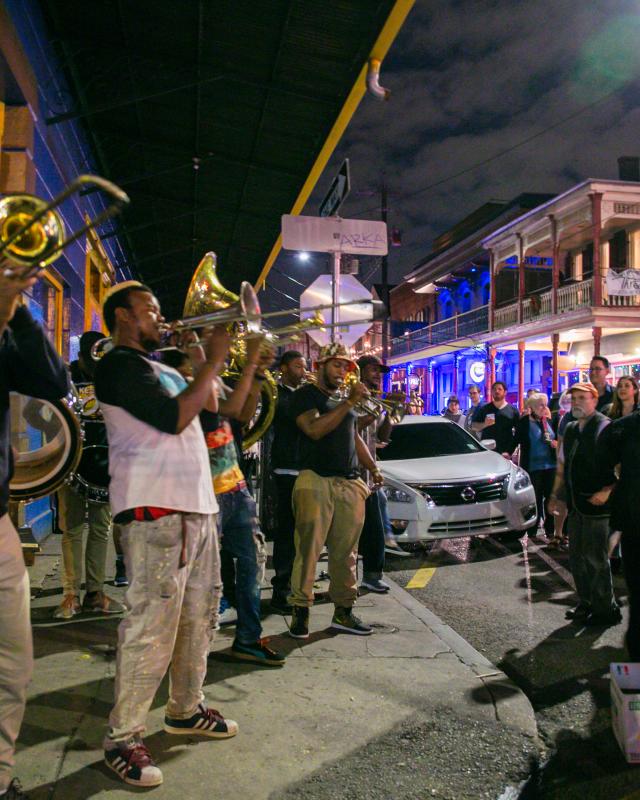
pixel 171 611
pixel 16 646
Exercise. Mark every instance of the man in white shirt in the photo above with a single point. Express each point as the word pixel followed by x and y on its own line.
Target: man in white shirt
pixel 162 496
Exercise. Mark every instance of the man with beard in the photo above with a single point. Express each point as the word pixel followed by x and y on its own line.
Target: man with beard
pixel 497 419
pixel 585 487
pixel 329 494
pixel 284 463
pixel 162 495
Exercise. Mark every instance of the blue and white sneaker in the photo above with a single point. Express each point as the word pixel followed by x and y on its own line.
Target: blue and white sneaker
pixel 205 722
pixel 132 762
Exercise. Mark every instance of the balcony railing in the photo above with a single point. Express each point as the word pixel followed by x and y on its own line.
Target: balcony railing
pixel 570 297
pixel 447 330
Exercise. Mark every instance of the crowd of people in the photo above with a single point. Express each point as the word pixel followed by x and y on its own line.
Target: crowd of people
pixel 581 458
pixel 188 540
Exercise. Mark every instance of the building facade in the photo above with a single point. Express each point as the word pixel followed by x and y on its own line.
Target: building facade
pixel 40 158
pixel 557 295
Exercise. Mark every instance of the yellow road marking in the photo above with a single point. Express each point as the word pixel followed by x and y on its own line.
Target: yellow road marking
pixel 421 578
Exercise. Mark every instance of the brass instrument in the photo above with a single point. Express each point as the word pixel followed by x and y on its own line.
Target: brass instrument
pixel 375 406
pixel 209 299
pixel 32 233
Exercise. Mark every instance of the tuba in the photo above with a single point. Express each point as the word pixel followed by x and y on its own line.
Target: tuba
pixel 206 295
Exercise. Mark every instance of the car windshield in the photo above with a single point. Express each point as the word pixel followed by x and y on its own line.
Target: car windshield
pixel 427 440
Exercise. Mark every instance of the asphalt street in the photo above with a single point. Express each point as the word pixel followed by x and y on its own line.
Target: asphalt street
pixel 508 600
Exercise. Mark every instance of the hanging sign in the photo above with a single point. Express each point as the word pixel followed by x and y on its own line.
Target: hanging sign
pixel 625 283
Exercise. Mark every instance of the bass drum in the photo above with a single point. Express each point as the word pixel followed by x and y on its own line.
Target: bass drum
pixel 90 479
pixel 46 440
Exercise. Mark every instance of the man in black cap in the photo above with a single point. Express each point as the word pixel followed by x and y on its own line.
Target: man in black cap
pixel 374 431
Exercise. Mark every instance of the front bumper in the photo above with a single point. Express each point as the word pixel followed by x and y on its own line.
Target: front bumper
pixel 417 521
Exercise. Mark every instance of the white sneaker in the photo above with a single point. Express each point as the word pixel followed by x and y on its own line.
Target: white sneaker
pixel 228 616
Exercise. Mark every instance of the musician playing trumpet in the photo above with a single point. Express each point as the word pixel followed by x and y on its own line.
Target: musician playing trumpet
pixel 329 494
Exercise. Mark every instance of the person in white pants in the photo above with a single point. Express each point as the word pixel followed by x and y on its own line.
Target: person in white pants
pixel 29 365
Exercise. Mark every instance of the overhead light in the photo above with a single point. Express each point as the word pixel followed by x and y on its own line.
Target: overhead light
pixel 303 256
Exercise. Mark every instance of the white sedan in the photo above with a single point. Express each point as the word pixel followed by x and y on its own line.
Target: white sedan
pixel 440 482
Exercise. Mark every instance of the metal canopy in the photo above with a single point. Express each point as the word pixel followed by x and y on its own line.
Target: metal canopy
pixel 210 115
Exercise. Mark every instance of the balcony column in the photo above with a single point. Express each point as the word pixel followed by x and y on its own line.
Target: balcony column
pixel 597 338
pixel 555 275
pixel 427 387
pixel 455 374
pixel 492 290
pixel 555 378
pixel 596 221
pixel 521 278
pixel 490 374
pixel 521 348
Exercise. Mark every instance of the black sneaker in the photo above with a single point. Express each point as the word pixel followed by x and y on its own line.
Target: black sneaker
pixel 205 722
pixel 375 585
pixel 299 628
pixel 280 605
pixel 121 573
pixel 14 792
pixel 345 620
pixel 133 763
pixel 604 620
pixel 579 612
pixel 258 653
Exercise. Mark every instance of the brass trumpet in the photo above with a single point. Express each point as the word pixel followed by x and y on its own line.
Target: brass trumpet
pixel 374 406
pixel 32 233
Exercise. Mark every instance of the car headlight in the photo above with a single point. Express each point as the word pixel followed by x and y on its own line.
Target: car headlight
pixel 397 495
pixel 521 479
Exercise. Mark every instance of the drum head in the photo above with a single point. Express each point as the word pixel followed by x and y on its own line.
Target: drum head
pixel 91 477
pixel 47 444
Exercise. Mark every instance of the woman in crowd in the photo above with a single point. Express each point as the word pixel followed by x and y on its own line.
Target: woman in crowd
pixel 537 440
pixel 625 398
pixel 625 402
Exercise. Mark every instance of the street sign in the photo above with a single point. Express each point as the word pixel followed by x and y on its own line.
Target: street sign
pixel 334 235
pixel 320 292
pixel 337 193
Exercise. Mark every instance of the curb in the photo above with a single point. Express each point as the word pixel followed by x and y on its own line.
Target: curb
pixel 512 706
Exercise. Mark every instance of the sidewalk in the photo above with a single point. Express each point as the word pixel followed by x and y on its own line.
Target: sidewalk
pixel 410 712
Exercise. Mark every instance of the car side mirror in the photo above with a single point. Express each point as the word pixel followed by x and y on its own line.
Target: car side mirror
pixel 489 444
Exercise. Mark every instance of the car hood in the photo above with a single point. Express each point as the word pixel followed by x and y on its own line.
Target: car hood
pixel 465 467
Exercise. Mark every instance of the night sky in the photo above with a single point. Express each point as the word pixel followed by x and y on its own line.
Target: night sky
pixel 471 79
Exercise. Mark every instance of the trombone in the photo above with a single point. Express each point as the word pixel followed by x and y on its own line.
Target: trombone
pixel 32 233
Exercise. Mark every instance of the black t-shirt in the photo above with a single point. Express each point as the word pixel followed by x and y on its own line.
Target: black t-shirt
pixel 335 454
pixel 503 429
pixel 285 449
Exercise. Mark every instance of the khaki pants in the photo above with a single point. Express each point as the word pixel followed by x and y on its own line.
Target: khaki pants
pixel 171 610
pixel 328 511
pixel 71 518
pixel 16 647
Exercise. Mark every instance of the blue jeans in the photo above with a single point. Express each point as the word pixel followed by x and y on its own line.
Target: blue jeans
pixel 242 539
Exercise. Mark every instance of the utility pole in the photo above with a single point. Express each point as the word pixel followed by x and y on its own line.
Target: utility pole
pixel 385 278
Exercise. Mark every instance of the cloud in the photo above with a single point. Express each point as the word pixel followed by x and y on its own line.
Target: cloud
pixel 471 79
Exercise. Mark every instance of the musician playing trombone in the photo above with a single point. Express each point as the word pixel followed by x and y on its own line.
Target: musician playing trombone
pixel 29 365
pixel 162 496
pixel 329 494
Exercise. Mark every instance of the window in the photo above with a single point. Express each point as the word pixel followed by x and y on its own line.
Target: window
pixel 99 275
pixel 428 440
pixel 45 304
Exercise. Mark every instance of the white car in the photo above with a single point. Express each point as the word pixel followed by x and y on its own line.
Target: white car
pixel 440 482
